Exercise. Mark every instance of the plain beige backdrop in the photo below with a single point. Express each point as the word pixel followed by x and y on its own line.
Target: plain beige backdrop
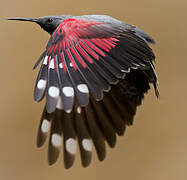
pixel 155 148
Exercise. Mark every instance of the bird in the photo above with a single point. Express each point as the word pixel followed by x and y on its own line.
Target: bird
pixel 94 73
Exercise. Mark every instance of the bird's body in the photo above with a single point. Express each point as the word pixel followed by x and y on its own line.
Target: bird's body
pixel 94 74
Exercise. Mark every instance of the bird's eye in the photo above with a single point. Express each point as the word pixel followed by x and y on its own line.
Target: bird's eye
pixel 50 20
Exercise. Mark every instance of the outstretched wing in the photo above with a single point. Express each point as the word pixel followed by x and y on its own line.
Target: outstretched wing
pixel 82 56
pixel 82 61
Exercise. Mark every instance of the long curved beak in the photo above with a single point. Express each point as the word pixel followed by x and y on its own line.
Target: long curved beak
pixel 24 19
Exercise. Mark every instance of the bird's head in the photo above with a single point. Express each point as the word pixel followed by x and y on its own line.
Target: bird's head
pixel 48 23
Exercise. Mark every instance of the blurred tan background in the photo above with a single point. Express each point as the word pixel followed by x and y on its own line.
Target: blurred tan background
pixel 155 148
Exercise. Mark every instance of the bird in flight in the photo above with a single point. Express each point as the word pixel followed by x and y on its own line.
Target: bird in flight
pixel 94 73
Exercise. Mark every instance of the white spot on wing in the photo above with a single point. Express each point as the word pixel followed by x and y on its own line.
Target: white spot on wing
pixel 87 145
pixel 60 65
pixel 51 65
pixel 68 111
pixel 79 110
pixel 45 126
pixel 126 71
pixel 68 91
pixel 45 60
pixel 56 140
pixel 71 65
pixel 134 67
pixel 53 92
pixel 83 88
pixel 41 84
pixel 59 103
pixel 71 145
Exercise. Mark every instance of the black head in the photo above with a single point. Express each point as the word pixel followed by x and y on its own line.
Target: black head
pixel 48 23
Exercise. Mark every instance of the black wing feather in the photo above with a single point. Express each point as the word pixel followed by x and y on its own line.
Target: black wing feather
pixel 41 83
pixel 55 140
pixel 83 135
pixel 67 91
pixel 53 90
